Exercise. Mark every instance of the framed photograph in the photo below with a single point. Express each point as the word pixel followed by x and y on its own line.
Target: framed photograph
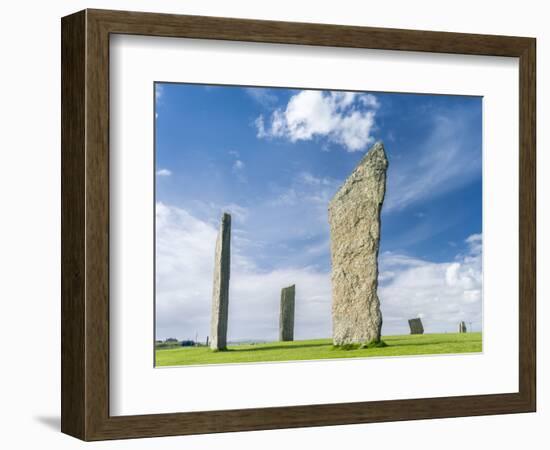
pixel 273 225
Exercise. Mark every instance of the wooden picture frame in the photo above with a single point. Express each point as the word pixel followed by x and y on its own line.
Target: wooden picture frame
pixel 85 224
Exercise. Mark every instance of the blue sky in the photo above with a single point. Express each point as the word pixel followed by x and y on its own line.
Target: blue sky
pixel 273 158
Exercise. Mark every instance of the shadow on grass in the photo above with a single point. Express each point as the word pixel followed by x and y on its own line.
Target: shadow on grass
pixel 275 347
pixel 405 343
pixel 394 344
pixel 336 348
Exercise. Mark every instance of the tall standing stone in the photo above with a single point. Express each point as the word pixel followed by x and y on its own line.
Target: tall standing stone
pixel 220 295
pixel 286 317
pixel 354 217
pixel 416 326
pixel 462 327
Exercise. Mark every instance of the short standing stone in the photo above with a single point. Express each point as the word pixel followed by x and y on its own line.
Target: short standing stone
pixel 220 295
pixel 286 317
pixel 416 326
pixel 462 327
pixel 354 217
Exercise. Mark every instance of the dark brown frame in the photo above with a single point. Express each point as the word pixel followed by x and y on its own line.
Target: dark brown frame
pixel 85 224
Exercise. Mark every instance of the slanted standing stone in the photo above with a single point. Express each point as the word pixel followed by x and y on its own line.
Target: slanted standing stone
pixel 416 326
pixel 354 217
pixel 462 327
pixel 286 317
pixel 220 295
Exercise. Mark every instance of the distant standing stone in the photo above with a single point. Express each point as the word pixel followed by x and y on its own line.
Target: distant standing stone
pixel 220 295
pixel 462 327
pixel 416 326
pixel 286 317
pixel 354 217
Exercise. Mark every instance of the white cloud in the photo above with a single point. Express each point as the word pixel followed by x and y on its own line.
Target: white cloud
pixel 238 211
pixel 370 101
pixel 445 292
pixel 164 173
pixel 260 127
pixel 475 242
pixel 344 118
pixel 238 169
pixel 238 165
pixel 159 91
pixel 185 257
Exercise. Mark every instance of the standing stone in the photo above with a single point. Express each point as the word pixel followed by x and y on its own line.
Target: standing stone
pixel 286 317
pixel 220 295
pixel 462 327
pixel 416 326
pixel 354 217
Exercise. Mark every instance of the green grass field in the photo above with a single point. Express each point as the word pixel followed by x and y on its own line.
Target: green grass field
pixel 404 345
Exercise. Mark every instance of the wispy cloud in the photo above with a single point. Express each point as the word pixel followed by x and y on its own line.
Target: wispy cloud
pixel 185 258
pixel 164 173
pixel 238 211
pixel 343 118
pixel 308 189
pixel 159 91
pixel 238 165
pixel 311 180
pixel 447 159
pixel 442 294
pixel 210 212
pixel 475 243
pixel 264 96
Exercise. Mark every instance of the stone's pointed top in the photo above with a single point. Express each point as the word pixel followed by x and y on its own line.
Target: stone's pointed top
pixel 373 164
pixel 376 152
pixel 292 286
pixel 226 217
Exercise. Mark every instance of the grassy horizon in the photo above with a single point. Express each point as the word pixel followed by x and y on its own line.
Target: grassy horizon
pixel 315 349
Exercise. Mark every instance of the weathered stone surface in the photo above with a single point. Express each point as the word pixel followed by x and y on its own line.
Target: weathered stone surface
pixel 286 317
pixel 220 294
pixel 354 217
pixel 462 327
pixel 416 326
